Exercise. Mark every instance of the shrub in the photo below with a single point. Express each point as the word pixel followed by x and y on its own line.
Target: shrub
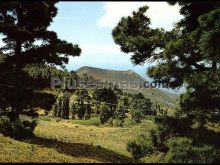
pixel 4 124
pixel 45 118
pixel 58 119
pixel 61 108
pixel 65 106
pixel 206 154
pixel 117 122
pixel 120 113
pixel 109 122
pixel 181 150
pixel 92 121
pixel 105 113
pixel 129 122
pixel 22 127
pixel 140 147
pixel 140 108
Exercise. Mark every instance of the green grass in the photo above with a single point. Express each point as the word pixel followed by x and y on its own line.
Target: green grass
pixel 65 141
pixel 92 122
pixel 17 151
pixel 111 138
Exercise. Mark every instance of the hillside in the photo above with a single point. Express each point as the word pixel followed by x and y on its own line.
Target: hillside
pixel 164 98
pixel 67 142
pixel 110 75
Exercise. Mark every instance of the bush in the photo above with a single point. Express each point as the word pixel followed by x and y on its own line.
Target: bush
pixel 206 154
pixel 61 107
pixel 105 113
pixel 22 127
pixel 92 121
pixel 109 122
pixel 140 147
pixel 129 122
pixel 181 150
pixel 120 114
pixel 58 119
pixel 4 124
pixel 45 118
pixel 140 108
pixel 117 122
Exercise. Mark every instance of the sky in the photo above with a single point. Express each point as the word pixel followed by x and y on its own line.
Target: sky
pixel 90 25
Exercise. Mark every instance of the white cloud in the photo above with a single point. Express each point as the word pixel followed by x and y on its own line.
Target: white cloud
pixel 161 14
pixel 100 48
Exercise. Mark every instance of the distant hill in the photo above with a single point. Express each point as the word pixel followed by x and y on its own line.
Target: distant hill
pixel 110 75
pixel 165 99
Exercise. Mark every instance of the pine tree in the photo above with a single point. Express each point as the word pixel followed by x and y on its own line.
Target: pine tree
pixel 81 109
pixel 120 112
pixel 189 53
pixel 105 113
pixel 65 106
pixel 59 109
pixel 73 109
pixel 22 25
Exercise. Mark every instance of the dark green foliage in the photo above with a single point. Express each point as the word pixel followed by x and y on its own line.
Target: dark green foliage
pixel 21 127
pixel 138 96
pixel 140 147
pixel 40 76
pixel 61 107
pixel 5 124
pixel 179 125
pixel 22 30
pixel 189 55
pixel 182 151
pixel 58 107
pixel 126 100
pixel 106 95
pixel 105 113
pixel 65 106
pixel 73 109
pixel 192 11
pixel 167 127
pixel 190 52
pixel 134 36
pixel 22 56
pixel 83 106
pixel 81 109
pixel 140 108
pixel 120 113
pixel 88 111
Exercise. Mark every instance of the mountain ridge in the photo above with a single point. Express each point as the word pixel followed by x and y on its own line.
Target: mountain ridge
pixel 90 70
pixel 164 98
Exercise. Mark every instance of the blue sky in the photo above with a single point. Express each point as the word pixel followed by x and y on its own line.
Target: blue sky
pixel 90 24
pixel 76 22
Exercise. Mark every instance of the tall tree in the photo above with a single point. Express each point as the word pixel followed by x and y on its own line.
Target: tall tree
pixel 120 112
pixel 65 106
pixel 188 54
pixel 27 40
pixel 105 113
pixel 107 95
pixel 140 108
